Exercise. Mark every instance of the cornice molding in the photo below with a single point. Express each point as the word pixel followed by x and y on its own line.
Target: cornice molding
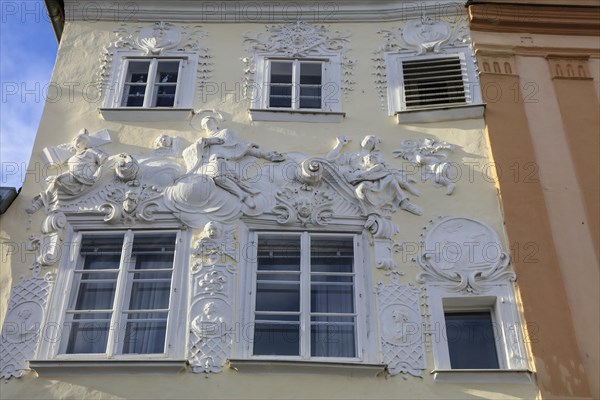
pixel 484 49
pixel 544 19
pixel 259 12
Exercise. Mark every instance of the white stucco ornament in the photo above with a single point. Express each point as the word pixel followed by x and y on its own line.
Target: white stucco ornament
pixel 376 183
pixel 298 39
pixel 84 169
pixel 211 314
pixel 401 328
pixel 431 156
pixel 22 325
pixel 426 34
pixel 463 254
pixel 158 38
pixel 418 37
pixel 216 181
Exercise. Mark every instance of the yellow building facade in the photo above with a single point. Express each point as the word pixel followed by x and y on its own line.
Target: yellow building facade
pixel 243 200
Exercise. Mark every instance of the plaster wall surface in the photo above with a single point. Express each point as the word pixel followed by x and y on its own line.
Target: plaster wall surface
pixel 475 196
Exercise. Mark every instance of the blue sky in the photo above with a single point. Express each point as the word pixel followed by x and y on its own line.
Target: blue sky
pixel 27 53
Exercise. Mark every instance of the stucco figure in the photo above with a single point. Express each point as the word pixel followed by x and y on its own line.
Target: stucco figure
pixel 431 155
pixel 83 170
pixel 375 183
pixel 215 179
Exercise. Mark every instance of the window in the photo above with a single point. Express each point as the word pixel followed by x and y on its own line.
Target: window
pixel 297 90
pixel 295 84
pixel 471 340
pixel 150 88
pixel 122 296
pixel 306 298
pixel 427 88
pixel 476 332
pixel 150 83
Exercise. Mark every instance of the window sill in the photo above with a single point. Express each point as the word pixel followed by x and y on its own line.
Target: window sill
pixel 312 367
pixel 130 114
pixel 450 113
pixel 296 115
pixel 58 367
pixel 482 376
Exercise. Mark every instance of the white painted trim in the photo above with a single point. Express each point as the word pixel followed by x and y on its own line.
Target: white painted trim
pixel 483 376
pixel 448 113
pixel 136 114
pixel 296 116
pixel 269 12
pixel 77 367
pixel 312 367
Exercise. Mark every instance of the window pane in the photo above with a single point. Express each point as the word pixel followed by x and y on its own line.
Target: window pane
pixel 276 253
pixel 165 96
pixel 155 244
pixel 281 72
pixel 277 297
pixel 332 298
pixel 310 97
pixel 150 296
pixel 145 337
pixel 277 339
pixel 137 73
pixel 310 73
pixel 167 71
pixel 101 252
pixel 333 337
pixel 332 254
pixel 88 336
pixel 95 295
pixel 471 340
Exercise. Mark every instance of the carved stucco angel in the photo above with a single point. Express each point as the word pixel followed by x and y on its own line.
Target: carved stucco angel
pixel 375 183
pixel 431 155
pixel 83 171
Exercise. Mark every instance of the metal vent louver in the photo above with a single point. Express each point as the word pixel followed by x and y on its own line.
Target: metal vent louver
pixel 433 82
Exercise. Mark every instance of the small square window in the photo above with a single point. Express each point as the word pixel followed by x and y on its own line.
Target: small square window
pixel 295 84
pixel 471 340
pixel 297 89
pixel 151 83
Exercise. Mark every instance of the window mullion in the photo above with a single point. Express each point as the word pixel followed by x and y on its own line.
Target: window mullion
pixel 295 84
pixel 150 82
pixel 114 338
pixel 305 296
pixel 254 257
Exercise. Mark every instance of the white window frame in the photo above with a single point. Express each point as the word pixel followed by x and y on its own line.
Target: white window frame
pixel 366 346
pixel 112 108
pixel 331 96
pixel 472 108
pixel 501 301
pixel 53 348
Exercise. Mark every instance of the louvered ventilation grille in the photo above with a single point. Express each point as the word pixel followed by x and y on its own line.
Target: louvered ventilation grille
pixel 433 82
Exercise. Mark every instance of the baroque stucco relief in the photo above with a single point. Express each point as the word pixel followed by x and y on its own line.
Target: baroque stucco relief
pixel 207 186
